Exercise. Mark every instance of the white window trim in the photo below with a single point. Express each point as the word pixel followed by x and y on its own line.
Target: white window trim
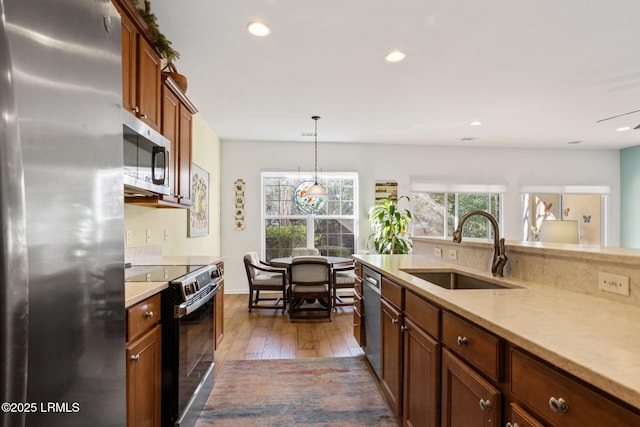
pixel 309 176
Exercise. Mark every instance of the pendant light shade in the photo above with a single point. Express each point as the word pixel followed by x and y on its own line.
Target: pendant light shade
pixel 316 190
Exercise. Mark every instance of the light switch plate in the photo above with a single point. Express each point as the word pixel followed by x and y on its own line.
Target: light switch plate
pixel 437 252
pixel 148 236
pixel 128 237
pixel 453 254
pixel 613 283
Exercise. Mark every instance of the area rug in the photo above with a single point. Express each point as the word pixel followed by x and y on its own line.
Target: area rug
pixel 295 392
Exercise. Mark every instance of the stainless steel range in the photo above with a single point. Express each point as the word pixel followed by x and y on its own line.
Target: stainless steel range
pixel 188 344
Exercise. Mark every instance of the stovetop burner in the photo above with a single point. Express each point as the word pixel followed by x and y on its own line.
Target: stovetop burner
pixel 158 273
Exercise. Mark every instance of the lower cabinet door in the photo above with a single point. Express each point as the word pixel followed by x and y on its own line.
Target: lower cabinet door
pixel 467 398
pixel 421 378
pixel 144 376
pixel 391 355
pixel 520 418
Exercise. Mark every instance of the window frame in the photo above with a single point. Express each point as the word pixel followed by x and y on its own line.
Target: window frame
pixel 310 218
pixel 456 190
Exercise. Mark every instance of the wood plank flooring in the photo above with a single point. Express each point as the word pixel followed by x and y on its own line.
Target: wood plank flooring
pixel 269 334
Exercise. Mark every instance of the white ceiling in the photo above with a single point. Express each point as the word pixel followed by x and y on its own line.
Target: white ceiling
pixel 537 73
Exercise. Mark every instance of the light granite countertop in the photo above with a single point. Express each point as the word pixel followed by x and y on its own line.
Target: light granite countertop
pixel 595 339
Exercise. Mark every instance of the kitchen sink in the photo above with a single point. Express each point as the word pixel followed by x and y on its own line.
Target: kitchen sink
pixel 455 280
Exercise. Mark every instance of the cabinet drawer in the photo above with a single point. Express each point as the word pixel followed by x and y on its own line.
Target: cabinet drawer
pixel 477 346
pixel 358 331
pixel 357 302
pixel 358 270
pixel 143 316
pixel 392 292
pixel 357 285
pixel 547 390
pixel 424 314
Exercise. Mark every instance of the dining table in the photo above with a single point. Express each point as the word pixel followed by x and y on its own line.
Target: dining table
pixel 334 261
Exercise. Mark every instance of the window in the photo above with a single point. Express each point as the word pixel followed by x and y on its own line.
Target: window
pixel 437 208
pixel 289 220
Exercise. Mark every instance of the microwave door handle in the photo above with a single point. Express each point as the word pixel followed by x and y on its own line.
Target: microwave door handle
pixel 157 151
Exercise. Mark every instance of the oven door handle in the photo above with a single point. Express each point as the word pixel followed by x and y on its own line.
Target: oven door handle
pixel 185 309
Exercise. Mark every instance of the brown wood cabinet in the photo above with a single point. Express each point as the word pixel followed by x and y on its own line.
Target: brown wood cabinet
pixel 218 323
pixel 560 400
pixel 358 307
pixel 177 113
pixel 439 368
pixel 144 370
pixel 391 354
pixel 421 363
pixel 467 398
pixel 140 67
pixel 518 417
pixel 421 378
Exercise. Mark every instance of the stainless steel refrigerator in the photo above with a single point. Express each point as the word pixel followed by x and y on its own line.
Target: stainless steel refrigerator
pixel 62 326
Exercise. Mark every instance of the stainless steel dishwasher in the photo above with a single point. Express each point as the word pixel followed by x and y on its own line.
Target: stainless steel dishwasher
pixel 371 297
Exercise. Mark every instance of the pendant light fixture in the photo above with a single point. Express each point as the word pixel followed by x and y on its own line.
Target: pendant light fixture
pixel 316 190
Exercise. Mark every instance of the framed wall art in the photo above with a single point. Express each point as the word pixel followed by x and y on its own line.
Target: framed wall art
pixel 199 211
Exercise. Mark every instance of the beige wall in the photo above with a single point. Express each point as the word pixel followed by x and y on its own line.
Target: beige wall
pixel 206 154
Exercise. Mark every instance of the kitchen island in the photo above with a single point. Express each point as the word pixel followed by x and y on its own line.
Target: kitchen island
pixel 591 338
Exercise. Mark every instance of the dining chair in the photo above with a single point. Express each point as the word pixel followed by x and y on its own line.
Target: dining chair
pixel 304 252
pixel 343 278
pixel 309 288
pixel 263 277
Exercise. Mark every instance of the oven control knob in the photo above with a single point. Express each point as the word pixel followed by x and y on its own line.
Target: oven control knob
pixel 188 289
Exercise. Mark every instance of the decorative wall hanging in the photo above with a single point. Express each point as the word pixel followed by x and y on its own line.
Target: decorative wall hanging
pixel 199 211
pixel 307 203
pixel 238 220
pixel 386 189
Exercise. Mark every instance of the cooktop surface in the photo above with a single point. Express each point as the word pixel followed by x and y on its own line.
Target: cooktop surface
pixel 157 273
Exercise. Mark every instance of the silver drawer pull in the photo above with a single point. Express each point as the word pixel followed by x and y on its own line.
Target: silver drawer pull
pixel 558 405
pixel 462 341
pixel 512 425
pixel 485 405
pixel 148 315
pixel 135 358
pixel 394 321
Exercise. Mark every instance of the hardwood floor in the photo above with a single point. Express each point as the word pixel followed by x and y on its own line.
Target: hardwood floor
pixel 269 334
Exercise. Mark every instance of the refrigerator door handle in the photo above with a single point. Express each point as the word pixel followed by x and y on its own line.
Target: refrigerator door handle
pixel 14 296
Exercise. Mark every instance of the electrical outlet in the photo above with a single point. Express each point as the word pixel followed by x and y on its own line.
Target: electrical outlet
pixel 166 234
pixel 453 254
pixel 613 283
pixel 128 237
pixel 148 236
pixel 437 252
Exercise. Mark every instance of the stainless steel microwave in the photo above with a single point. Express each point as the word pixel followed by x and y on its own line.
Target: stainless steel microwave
pixel 146 158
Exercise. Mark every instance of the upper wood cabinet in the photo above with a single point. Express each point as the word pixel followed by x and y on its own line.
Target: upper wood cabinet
pixel 140 67
pixel 177 114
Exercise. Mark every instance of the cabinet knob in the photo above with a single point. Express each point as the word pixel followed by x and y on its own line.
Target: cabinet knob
pixel 462 341
pixel 355 325
pixel 135 358
pixel 143 116
pixel 485 404
pixel 148 315
pixel 403 328
pixel 512 425
pixel 394 321
pixel 135 109
pixel 558 405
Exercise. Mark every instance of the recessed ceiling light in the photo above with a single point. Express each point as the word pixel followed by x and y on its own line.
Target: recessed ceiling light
pixel 395 56
pixel 258 28
pixel 623 128
pixel 475 123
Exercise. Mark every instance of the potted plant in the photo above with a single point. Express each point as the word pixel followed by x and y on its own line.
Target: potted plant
pixel 162 44
pixel 389 224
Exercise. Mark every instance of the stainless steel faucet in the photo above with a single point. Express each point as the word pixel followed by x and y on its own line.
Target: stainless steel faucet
pixel 499 257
